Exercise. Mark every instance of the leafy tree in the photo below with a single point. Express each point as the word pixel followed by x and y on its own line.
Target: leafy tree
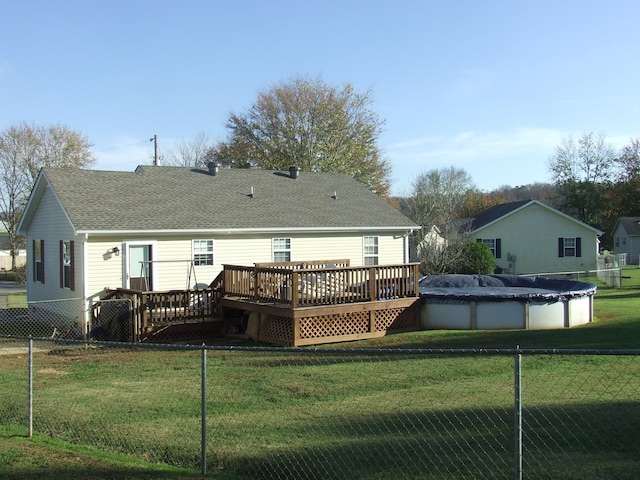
pixel 477 201
pixel 625 193
pixel 544 192
pixel 583 171
pixel 307 123
pixel 623 197
pixel 24 150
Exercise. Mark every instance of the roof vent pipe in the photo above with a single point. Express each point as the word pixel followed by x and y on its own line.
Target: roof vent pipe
pixel 213 168
pixel 294 172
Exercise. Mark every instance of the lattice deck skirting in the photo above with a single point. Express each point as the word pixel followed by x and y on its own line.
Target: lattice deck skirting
pixel 321 328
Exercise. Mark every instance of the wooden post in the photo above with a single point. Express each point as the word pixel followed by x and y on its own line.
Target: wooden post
pixel 373 293
pixel 294 289
pixel 143 311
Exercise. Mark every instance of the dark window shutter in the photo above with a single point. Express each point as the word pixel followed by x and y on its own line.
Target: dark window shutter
pixel 561 247
pixel 578 247
pixel 498 248
pixel 61 263
pixel 42 257
pixel 35 261
pixel 72 266
pixel 478 240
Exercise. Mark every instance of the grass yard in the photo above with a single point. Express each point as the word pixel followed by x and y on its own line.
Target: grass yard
pixel 328 415
pixel 16 300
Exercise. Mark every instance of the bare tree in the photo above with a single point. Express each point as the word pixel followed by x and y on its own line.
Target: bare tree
pixel 24 150
pixel 437 197
pixel 189 153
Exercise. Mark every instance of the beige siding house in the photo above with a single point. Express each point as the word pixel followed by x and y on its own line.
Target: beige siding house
pixel 161 228
pixel 531 237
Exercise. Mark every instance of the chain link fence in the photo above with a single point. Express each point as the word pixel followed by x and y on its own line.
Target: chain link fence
pixel 113 320
pixel 106 320
pixel 267 413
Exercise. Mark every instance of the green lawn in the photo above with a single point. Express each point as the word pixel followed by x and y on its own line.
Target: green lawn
pixel 322 414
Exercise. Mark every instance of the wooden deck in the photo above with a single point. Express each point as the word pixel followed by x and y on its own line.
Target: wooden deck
pixel 305 306
pixel 289 303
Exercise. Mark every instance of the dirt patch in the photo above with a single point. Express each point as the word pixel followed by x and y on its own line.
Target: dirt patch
pixel 52 371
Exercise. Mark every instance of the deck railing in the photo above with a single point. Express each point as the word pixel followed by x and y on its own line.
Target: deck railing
pixel 169 307
pixel 302 287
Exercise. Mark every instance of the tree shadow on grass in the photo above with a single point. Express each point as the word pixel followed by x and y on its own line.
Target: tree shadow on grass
pixel 561 442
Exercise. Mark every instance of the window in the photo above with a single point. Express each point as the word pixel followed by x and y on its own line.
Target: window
pixel 38 261
pixel 569 247
pixel 494 245
pixel 370 247
pixel 202 252
pixel 281 249
pixel 67 265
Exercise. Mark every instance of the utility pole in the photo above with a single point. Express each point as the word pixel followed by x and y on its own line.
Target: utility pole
pixel 155 150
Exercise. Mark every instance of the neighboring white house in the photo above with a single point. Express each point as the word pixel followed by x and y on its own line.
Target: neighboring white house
pixel 162 228
pixel 430 241
pixel 5 254
pixel 626 238
pixel 531 237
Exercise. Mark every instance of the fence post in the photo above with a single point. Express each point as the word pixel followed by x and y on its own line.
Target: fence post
pixel 518 414
pixel 203 412
pixel 30 427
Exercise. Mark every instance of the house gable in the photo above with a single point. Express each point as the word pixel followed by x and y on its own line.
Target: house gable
pixel 528 235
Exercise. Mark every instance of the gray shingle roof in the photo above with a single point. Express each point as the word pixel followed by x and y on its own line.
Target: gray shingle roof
pixel 493 213
pixel 631 225
pixel 184 198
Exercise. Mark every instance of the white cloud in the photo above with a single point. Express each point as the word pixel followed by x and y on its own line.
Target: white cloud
pixel 124 153
pixel 127 152
pixel 473 146
pixel 516 156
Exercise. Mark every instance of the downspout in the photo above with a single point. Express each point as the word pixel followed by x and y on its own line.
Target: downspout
pixel 406 246
pixel 85 285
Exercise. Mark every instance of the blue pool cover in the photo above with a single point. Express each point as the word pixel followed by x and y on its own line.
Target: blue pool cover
pixel 501 287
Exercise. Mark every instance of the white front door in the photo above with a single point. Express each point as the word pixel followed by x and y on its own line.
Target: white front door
pixel 139 271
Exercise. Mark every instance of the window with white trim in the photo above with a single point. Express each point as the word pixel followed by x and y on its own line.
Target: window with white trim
pixel 491 243
pixel 202 252
pixel 281 249
pixel 370 249
pixel 569 247
pixel 494 246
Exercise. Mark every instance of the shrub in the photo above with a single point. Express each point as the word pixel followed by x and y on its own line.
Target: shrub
pixel 20 275
pixel 476 259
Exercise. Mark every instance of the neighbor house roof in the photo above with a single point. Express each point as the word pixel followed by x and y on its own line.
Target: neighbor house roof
pixel 157 198
pixel 631 225
pixel 493 214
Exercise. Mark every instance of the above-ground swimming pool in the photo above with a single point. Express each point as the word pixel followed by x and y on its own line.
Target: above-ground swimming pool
pixel 486 302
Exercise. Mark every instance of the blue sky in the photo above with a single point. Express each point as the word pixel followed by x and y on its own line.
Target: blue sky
pixel 488 86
